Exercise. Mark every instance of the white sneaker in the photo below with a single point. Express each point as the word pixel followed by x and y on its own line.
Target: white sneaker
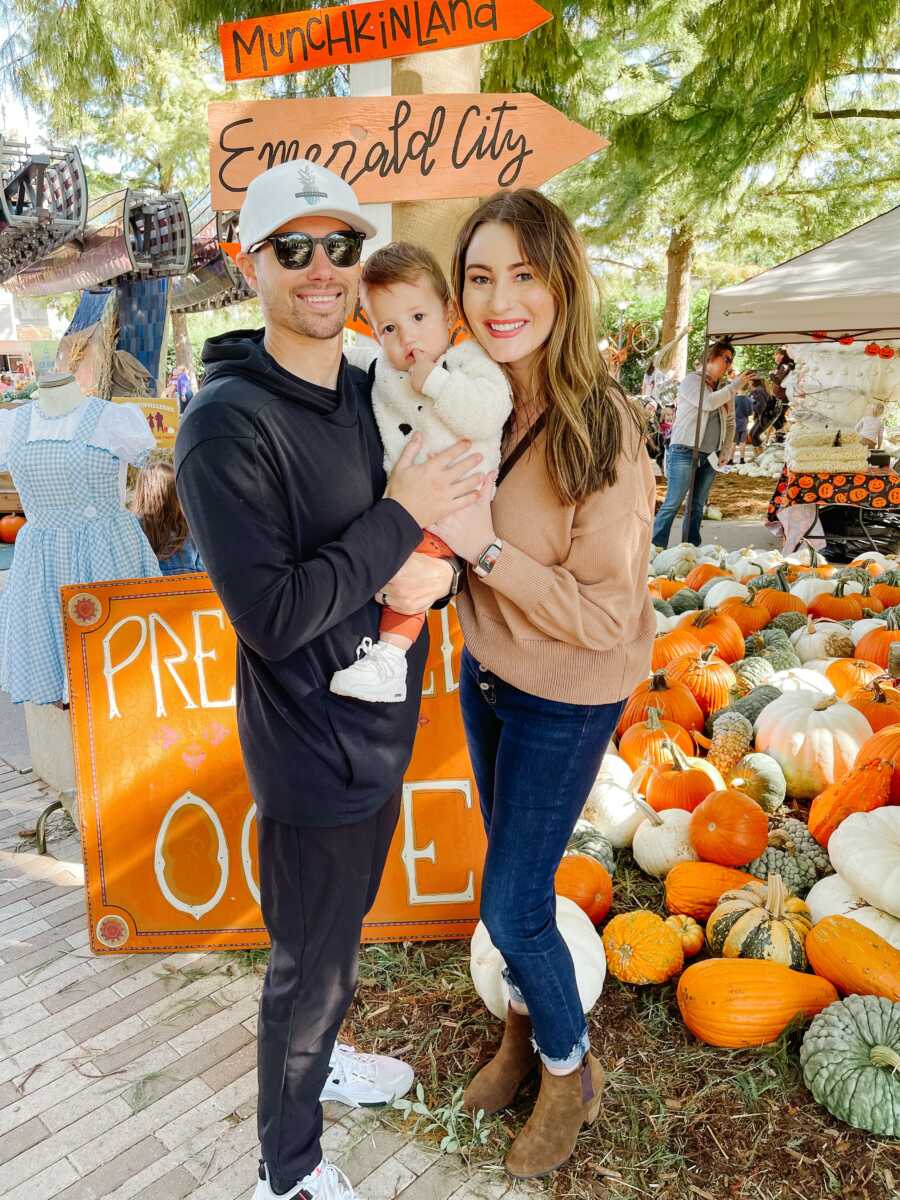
pixel 365 1080
pixel 326 1182
pixel 379 674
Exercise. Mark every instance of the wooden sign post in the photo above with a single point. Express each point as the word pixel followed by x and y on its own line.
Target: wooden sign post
pixel 355 33
pixel 396 148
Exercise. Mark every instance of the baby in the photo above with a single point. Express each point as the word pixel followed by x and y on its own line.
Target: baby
pixel 871 426
pixel 422 385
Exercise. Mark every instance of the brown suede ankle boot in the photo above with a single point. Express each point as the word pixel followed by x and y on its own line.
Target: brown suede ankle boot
pixel 495 1086
pixel 565 1104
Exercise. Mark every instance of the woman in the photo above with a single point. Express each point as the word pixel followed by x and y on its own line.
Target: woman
pixel 558 626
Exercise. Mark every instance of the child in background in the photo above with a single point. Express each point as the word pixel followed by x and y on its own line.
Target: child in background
pixel 156 506
pixel 422 385
pixel 871 426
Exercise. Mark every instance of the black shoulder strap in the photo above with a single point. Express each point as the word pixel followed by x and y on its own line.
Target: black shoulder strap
pixel 525 444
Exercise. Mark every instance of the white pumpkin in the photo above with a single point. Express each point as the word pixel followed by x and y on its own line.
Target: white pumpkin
pixel 662 840
pixel 814 739
pixel 818 665
pixel 865 852
pixel 833 896
pixel 664 623
pixel 806 556
pixel 875 556
pixel 611 806
pixel 723 591
pixel 821 639
pixel 800 679
pixel 679 559
pixel 859 629
pixel 585 945
pixel 811 586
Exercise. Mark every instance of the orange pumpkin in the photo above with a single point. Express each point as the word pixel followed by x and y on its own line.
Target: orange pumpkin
pixel 837 606
pixel 875 646
pixel 729 828
pixel 690 932
pixel 587 882
pixel 708 678
pixel 703 573
pixel 674 701
pixel 641 948
pixel 736 1002
pixel 855 959
pixel 711 626
pixel 671 645
pixel 645 741
pixel 860 790
pixel 665 586
pixel 878 702
pixel 778 598
pixel 693 888
pixel 885 744
pixel 677 784
pixel 9 527
pixel 845 674
pixel 887 588
pixel 749 616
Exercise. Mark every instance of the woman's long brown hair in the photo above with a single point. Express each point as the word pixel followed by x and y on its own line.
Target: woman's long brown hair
pixel 155 504
pixel 590 420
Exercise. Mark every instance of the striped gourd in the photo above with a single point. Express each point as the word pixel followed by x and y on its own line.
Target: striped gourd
pixel 760 920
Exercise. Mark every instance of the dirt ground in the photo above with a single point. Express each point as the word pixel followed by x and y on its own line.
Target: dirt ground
pixel 740 497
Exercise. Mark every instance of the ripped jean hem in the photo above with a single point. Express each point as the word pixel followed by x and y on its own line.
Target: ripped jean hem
pixel 574 1058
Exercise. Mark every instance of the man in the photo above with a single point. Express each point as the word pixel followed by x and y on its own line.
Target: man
pixel 715 438
pixel 183 389
pixel 280 475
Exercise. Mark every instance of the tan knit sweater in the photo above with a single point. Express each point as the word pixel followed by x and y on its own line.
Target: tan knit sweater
pixel 565 613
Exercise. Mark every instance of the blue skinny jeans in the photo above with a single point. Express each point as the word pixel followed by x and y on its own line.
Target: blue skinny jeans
pixel 534 761
pixel 678 473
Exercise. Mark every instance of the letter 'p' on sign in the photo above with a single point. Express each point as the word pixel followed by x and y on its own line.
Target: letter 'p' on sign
pixel 355 33
pixel 168 823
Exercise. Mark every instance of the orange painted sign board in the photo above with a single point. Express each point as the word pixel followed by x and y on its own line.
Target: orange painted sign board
pixel 397 148
pixel 353 33
pixel 167 820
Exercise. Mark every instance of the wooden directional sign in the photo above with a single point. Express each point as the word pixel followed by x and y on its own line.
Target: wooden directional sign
pixel 396 148
pixel 354 33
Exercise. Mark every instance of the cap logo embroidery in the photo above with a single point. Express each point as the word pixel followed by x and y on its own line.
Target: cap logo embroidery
pixel 310 192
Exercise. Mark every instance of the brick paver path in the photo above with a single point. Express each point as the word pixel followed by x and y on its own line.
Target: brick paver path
pixel 133 1077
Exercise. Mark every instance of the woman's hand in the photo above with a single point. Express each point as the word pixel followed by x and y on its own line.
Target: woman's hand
pixel 470 531
pixel 417 585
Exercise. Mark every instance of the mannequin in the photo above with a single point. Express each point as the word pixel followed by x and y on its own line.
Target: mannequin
pixel 58 394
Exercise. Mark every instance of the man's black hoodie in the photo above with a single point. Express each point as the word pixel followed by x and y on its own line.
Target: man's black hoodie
pixel 282 481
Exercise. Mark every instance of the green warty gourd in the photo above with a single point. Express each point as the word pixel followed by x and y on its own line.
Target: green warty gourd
pixel 749 706
pixel 788 622
pixel 794 854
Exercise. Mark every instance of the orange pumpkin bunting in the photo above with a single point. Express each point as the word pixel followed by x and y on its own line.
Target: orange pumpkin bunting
pixel 729 828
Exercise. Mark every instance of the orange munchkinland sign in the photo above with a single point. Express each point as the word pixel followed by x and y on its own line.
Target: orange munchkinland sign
pixel 354 33
pixel 397 148
pixel 167 820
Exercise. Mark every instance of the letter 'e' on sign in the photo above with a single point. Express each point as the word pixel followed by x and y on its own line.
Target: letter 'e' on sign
pixel 397 148
pixel 354 33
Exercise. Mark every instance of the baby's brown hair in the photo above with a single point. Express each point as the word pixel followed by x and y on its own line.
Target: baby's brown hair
pixel 402 262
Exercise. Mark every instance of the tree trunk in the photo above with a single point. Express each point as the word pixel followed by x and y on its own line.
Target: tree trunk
pixel 434 223
pixel 184 353
pixel 677 312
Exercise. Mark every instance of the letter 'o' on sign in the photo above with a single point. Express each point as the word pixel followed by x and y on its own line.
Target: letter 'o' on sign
pixel 354 33
pixel 248 845
pixel 191 856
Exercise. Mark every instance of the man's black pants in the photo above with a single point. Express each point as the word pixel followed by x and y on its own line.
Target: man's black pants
pixel 316 886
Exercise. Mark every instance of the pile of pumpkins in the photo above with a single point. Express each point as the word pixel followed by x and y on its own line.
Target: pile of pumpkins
pixel 757 775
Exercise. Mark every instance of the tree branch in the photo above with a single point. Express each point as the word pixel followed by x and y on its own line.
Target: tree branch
pixel 833 187
pixel 836 114
pixel 865 71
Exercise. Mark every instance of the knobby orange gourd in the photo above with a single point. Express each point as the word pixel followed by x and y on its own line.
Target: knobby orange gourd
pixel 885 744
pixel 641 948
pixel 864 788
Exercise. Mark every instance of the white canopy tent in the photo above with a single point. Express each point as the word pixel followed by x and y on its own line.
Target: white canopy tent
pixel 847 287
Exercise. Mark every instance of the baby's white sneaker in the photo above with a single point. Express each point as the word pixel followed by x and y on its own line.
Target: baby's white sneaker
pixel 379 674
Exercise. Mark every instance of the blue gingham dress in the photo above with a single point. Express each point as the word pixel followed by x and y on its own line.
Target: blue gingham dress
pixel 77 531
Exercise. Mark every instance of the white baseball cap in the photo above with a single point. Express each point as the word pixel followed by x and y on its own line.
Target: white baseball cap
pixel 297 189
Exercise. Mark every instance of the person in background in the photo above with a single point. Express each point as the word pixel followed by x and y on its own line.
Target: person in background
pixel 870 427
pixel 156 506
pixel 762 404
pixel 743 409
pixel 714 439
pixel 784 364
pixel 183 389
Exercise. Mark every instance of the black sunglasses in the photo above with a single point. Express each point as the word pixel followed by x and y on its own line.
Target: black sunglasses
pixel 294 251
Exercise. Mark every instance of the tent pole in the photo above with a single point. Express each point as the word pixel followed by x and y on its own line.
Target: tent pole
pixel 695 461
